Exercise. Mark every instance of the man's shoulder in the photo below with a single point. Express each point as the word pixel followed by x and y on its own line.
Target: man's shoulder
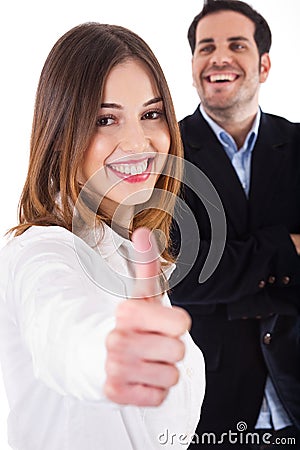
pixel 278 121
pixel 190 119
pixel 279 130
pixel 196 116
pixel 194 126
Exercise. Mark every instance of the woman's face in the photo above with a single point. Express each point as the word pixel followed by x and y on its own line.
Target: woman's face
pixel 129 148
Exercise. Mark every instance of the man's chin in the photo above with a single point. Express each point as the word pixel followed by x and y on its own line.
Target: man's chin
pixel 218 106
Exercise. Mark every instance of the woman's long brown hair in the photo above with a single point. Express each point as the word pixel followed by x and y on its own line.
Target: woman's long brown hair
pixel 67 103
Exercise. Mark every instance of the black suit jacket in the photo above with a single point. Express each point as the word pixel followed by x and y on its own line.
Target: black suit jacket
pixel 246 315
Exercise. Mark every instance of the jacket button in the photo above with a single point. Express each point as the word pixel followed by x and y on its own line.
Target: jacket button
pixel 271 279
pixel 267 338
pixel 261 284
pixel 286 280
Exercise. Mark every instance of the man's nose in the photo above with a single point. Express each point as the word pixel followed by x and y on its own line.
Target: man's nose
pixel 221 57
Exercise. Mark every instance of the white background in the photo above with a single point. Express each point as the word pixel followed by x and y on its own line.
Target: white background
pixel 30 28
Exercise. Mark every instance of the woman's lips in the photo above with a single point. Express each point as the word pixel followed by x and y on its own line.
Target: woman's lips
pixel 133 172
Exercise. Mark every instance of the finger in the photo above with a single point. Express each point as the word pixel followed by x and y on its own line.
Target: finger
pixel 147 264
pixel 146 253
pixel 154 374
pixel 152 317
pixel 135 394
pixel 131 346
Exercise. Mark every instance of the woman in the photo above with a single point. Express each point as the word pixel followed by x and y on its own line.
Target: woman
pixel 83 368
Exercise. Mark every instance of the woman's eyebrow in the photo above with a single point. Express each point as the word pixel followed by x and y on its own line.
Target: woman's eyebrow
pixel 153 100
pixel 111 105
pixel 117 106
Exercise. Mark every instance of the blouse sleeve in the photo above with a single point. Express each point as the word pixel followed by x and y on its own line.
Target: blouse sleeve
pixel 64 315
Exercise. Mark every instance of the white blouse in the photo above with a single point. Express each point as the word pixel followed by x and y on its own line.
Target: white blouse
pixel 57 302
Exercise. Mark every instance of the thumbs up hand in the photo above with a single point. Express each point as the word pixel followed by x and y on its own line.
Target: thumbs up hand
pixel 147 266
pixel 145 345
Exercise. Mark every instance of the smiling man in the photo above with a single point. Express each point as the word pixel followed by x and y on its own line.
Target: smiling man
pixel 246 315
pixel 228 69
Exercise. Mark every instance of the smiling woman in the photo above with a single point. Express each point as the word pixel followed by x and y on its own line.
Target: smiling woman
pixel 132 140
pixel 88 337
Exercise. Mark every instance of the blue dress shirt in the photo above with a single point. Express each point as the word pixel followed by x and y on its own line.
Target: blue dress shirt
pixel 239 157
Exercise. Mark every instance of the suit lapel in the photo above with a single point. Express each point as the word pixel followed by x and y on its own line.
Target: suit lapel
pixel 204 150
pixel 266 167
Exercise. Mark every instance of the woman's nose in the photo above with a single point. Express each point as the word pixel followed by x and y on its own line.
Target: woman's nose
pixel 134 139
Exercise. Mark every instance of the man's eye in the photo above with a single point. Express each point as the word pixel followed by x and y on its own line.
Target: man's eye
pixel 105 121
pixel 237 46
pixel 153 115
pixel 207 49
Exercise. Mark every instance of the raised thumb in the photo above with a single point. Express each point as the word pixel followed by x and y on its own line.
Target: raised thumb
pixel 146 263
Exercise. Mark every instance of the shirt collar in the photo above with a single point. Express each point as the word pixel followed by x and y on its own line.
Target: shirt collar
pixel 104 240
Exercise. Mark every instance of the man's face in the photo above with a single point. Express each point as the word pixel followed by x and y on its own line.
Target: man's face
pixel 227 69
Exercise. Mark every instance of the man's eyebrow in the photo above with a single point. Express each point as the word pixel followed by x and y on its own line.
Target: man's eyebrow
pixel 231 39
pixel 117 106
pixel 206 41
pixel 237 38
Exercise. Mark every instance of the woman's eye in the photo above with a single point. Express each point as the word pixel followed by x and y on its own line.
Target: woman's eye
pixel 153 115
pixel 105 121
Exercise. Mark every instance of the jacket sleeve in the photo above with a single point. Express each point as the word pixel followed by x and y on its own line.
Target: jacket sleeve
pixel 257 275
pixel 64 318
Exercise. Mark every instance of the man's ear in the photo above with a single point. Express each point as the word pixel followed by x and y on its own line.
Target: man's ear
pixel 193 80
pixel 265 66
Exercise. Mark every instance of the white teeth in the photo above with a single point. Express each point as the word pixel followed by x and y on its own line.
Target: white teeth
pixel 222 77
pixel 130 169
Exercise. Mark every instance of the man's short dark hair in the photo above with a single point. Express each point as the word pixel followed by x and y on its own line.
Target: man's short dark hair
pixel 262 34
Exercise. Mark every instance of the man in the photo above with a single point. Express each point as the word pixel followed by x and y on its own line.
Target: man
pixel 246 315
